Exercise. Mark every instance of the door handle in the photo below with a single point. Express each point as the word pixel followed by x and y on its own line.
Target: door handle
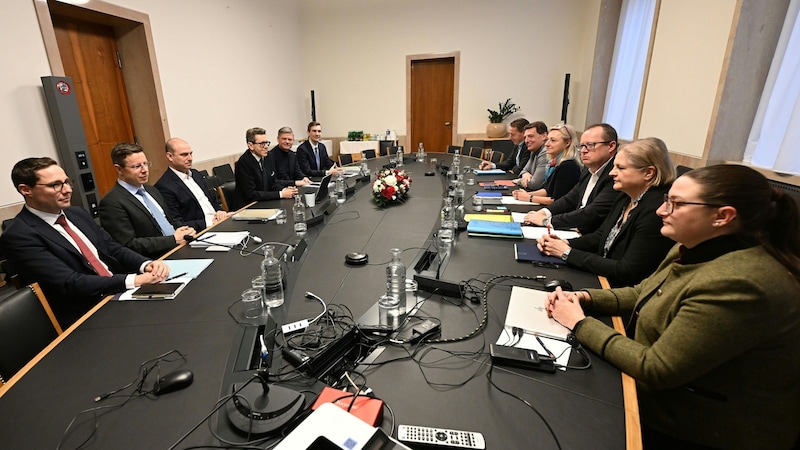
pixel 448 124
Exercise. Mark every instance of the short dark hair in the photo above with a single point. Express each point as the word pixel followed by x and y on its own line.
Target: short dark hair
pixel 312 124
pixel 250 135
pixel 519 124
pixel 609 133
pixel 121 151
pixel 540 127
pixel 24 172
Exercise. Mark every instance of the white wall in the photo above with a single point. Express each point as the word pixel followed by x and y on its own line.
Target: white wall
pixel 355 55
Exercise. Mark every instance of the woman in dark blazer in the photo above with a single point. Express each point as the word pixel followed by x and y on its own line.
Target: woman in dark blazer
pixel 629 245
pixel 563 170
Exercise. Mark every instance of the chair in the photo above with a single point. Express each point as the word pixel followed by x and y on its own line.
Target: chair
pixel 472 143
pixel 224 172
pixel 204 173
pixel 27 325
pixel 496 157
pixel 682 169
pixel 504 146
pixel 230 199
pixel 384 147
pixel 369 153
pixel 212 183
pixel 475 152
pixel 453 148
pixel 345 159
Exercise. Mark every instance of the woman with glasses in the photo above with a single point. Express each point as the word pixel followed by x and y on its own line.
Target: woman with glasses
pixel 714 333
pixel 628 245
pixel 563 170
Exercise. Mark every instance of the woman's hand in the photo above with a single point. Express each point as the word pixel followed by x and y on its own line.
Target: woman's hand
pixel 564 307
pixel 552 245
pixel 521 195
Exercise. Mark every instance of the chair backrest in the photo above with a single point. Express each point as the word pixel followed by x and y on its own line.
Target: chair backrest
pixel 468 143
pixel 369 153
pixel 27 326
pixel 230 199
pixel 346 158
pixel 682 169
pixel 504 146
pixel 224 172
pixel 496 157
pixel 475 152
pixel 453 148
pixel 384 147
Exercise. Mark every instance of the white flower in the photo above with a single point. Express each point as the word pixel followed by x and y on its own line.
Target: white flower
pixel 390 180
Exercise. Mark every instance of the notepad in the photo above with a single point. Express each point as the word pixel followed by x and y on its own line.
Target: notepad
pixel 490 172
pixel 484 194
pixel 494 229
pixel 530 252
pixel 158 291
pixel 490 217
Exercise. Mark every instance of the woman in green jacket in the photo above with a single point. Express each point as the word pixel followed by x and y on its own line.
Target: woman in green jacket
pixel 714 335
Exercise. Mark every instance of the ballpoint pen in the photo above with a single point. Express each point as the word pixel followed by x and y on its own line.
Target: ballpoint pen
pixel 176 276
pixel 549 353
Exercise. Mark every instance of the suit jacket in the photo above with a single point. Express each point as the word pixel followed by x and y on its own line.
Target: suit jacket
pixel 128 221
pixel 180 200
pixel 510 164
pixel 40 253
pixel 715 349
pixel 637 249
pixel 253 184
pixel 308 162
pixel 564 177
pixel 567 212
pixel 287 169
pixel 536 166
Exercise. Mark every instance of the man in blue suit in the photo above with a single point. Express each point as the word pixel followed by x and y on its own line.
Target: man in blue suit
pixel 185 191
pixel 312 156
pixel 75 261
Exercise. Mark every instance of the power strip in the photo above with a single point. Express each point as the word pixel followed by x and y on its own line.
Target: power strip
pixel 293 327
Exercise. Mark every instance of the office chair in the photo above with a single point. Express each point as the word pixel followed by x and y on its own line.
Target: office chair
pixel 230 199
pixel 369 153
pixel 472 143
pixel 453 148
pixel 27 326
pixel 345 159
pixel 682 169
pixel 496 157
pixel 384 147
pixel 504 146
pixel 224 172
pixel 475 152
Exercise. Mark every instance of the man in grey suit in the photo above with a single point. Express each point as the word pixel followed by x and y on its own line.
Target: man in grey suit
pixel 135 214
pixel 532 176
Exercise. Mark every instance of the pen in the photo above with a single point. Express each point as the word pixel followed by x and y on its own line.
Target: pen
pixel 176 276
pixel 549 353
pixel 548 229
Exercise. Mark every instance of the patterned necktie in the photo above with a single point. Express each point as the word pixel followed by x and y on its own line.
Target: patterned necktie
pixel 166 228
pixel 316 155
pixel 84 249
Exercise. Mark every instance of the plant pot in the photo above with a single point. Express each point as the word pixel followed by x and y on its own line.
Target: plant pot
pixel 496 130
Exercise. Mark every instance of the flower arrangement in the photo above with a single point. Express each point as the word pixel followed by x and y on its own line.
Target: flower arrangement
pixel 391 186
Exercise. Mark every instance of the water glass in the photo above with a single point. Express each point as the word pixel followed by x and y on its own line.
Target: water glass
pixel 469 176
pixel 434 164
pixel 251 302
pixel 281 218
pixel 444 242
pixel 389 312
pixel 477 203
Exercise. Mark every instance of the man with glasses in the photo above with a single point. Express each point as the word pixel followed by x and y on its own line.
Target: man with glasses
pixel 587 204
pixel 135 214
pixel 255 171
pixel 287 169
pixel 75 261
pixel 519 156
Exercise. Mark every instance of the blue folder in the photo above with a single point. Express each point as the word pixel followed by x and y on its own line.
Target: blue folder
pixel 494 229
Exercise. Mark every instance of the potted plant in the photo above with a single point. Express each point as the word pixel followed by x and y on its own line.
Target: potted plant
pixel 496 127
pixel 355 135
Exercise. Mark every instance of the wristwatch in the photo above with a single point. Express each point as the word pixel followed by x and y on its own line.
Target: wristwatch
pixel 546 222
pixel 565 255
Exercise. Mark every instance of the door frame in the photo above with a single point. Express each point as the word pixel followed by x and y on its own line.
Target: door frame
pixel 456 55
pixel 139 68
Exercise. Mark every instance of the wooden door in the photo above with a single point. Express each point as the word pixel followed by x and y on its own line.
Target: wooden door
pixel 89 54
pixel 432 92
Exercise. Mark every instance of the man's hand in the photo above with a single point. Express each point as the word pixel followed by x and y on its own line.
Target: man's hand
pixel 304 182
pixel 486 165
pixel 288 192
pixel 535 217
pixel 219 216
pixel 157 269
pixel 181 232
pixel 525 179
pixel 334 170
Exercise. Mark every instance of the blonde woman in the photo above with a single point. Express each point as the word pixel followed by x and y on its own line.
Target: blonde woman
pixel 563 170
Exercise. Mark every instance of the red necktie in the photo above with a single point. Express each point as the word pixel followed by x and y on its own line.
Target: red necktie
pixel 93 261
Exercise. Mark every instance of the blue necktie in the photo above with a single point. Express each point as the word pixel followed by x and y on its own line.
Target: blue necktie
pixel 166 228
pixel 316 154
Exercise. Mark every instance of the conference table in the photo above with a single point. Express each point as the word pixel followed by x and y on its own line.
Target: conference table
pixel 445 386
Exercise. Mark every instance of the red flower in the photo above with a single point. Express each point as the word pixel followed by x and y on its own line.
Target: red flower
pixel 388 192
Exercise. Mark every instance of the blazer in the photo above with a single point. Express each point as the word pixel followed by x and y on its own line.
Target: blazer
pixel 128 221
pixel 287 170
pixel 308 162
pixel 253 184
pixel 72 287
pixel 715 349
pixel 567 211
pixel 637 249
pixel 180 200
pixel 564 177
pixel 511 165
pixel 536 166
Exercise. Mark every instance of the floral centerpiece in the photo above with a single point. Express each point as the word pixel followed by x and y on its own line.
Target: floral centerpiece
pixel 391 186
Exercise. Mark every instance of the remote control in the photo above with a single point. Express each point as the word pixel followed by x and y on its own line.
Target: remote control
pixel 440 437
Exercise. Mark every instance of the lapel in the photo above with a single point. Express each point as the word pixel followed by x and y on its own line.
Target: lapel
pixel 39 226
pixel 127 196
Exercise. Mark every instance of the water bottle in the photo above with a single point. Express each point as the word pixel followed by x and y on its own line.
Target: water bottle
pixel 273 279
pixel 399 157
pixel 396 282
pixel 458 190
pixel 341 190
pixel 457 159
pixel 420 153
pixel 299 213
pixel 449 215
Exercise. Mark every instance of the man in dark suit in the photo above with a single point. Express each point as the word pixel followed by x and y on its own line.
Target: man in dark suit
pixel 135 214
pixel 313 156
pixel 519 157
pixel 255 172
pixel 185 191
pixel 587 204
pixel 287 169
pixel 75 261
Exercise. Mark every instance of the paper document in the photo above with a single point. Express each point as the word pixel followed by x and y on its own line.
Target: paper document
pixel 490 172
pixel 537 232
pixel 510 200
pixel 560 349
pixel 191 267
pixel 254 214
pixel 526 310
pixel 223 238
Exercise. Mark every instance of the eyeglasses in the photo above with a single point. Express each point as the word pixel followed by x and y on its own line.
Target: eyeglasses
pixel 589 146
pixel 264 144
pixel 57 186
pixel 671 204
pixel 139 166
